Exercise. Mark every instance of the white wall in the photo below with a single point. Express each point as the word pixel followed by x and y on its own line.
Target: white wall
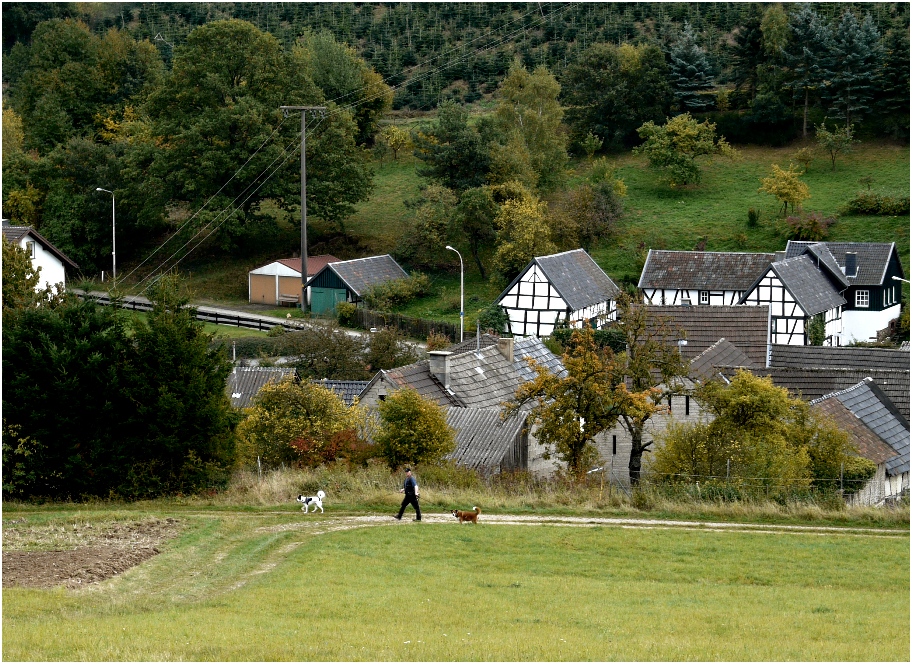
pixel 860 325
pixel 52 271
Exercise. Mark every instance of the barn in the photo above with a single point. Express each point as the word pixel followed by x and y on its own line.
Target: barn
pixel 279 282
pixel 348 281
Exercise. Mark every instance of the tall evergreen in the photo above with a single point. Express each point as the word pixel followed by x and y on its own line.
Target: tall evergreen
pixel 691 72
pixel 856 61
pixel 807 56
pixel 747 53
pixel 892 85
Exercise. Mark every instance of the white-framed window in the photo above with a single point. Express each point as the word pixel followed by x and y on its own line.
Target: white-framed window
pixel 704 297
pixel 862 298
pixel 30 248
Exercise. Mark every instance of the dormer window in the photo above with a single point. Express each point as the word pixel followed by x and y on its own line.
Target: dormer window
pixel 862 298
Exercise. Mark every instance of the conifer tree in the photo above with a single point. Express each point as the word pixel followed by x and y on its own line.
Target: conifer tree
pixel 856 60
pixel 691 72
pixel 807 56
pixel 892 85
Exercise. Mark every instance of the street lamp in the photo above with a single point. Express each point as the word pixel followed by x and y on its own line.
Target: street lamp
pixel 461 293
pixel 901 279
pixel 113 234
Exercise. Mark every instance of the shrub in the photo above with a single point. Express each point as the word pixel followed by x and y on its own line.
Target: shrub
pixel 876 204
pixel 392 294
pixel 809 226
pixel 753 218
pixel 437 341
pixel 345 313
pixel 494 317
pixel 803 156
pixel 275 331
pixel 612 338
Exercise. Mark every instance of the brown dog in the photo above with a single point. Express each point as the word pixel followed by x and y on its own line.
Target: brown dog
pixel 467 516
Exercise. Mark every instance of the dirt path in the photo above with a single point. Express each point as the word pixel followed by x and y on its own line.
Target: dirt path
pixel 81 554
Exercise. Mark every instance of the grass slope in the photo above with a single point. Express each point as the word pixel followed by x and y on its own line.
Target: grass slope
pixel 279 586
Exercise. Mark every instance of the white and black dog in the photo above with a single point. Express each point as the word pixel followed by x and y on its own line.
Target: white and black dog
pixel 316 501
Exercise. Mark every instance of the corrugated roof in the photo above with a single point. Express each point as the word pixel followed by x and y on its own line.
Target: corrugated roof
pixel 722 353
pixel 869 444
pixel 347 389
pixel 845 357
pixel 743 326
pixel 703 270
pixel 808 285
pixel 482 439
pixel 362 274
pixel 245 382
pixel 873 258
pixel 578 279
pixel 872 407
pixel 16 233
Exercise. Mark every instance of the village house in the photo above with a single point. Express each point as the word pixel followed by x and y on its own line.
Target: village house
pixel 279 282
pixel 244 383
pixel 567 288
pixel 708 278
pixel 880 433
pixel 348 281
pixel 52 263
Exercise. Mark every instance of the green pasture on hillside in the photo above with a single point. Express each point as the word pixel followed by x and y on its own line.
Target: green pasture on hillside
pixel 284 586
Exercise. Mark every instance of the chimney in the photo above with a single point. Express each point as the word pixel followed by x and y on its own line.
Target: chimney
pixel 505 346
pixel 440 365
pixel 851 264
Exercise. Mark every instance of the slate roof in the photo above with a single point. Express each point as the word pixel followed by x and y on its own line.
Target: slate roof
pixel 869 445
pixel 743 326
pixel 810 287
pixel 703 270
pixel 721 353
pixel 482 439
pixel 845 357
pixel 820 252
pixel 815 383
pixel 873 258
pixel 347 389
pixel 469 344
pixel 363 273
pixel 870 405
pixel 418 376
pixel 483 379
pixel 580 282
pixel 16 233
pixel 533 347
pixel 244 382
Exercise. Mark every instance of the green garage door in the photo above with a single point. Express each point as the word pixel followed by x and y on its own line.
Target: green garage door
pixel 324 300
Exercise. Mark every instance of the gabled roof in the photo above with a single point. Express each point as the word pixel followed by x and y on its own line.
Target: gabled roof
pixel 873 258
pixel 15 233
pixel 703 270
pixel 826 261
pixel 810 287
pixel 533 347
pixel 815 383
pixel 744 327
pixel 483 379
pixel 870 405
pixel 723 353
pixel 418 376
pixel 869 445
pixel 314 264
pixel 348 390
pixel 361 274
pixel 575 276
pixel 245 382
pixel 845 357
pixel 482 438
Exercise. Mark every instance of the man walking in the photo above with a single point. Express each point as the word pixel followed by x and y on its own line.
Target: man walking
pixel 410 489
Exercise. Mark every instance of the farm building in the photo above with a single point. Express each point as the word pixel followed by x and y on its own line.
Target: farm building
pixel 880 433
pixel 486 443
pixel 699 277
pixel 245 382
pixel 279 282
pixel 566 287
pixel 47 258
pixel 348 281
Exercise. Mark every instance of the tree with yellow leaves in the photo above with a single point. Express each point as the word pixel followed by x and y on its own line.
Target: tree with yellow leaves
pixel 522 234
pixel 786 187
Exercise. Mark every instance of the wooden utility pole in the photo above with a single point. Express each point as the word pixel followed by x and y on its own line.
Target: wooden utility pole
pixel 320 111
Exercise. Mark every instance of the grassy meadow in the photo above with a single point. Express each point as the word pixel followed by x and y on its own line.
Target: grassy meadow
pixel 274 584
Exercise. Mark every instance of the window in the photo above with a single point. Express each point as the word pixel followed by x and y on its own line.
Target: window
pixel 862 298
pixel 30 248
pixel 704 297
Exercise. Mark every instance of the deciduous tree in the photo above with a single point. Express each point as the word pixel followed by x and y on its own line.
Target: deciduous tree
pixel 523 233
pixel 834 142
pixel 453 153
pixel 786 186
pixel 413 430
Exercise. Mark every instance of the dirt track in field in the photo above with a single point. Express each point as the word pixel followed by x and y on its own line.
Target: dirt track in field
pixel 82 554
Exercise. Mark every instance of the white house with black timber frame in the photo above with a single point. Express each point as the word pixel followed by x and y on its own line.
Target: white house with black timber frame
pixel 872 296
pixel 713 278
pixel 568 286
pixel 797 289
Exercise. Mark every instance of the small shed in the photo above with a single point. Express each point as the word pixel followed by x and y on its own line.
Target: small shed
pixel 279 282
pixel 347 281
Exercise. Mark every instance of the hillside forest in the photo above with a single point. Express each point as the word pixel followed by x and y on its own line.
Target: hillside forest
pixel 176 109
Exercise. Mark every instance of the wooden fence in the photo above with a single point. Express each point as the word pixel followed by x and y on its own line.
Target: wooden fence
pixel 415 328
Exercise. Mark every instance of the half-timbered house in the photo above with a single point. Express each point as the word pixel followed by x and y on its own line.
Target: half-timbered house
pixel 695 278
pixel 568 287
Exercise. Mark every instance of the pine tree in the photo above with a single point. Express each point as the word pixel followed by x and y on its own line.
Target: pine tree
pixel 892 85
pixel 691 72
pixel 807 56
pixel 856 59
pixel 748 53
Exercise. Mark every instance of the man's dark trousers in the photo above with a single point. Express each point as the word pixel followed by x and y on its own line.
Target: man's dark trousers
pixel 410 499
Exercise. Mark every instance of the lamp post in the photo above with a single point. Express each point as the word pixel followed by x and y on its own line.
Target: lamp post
pixel 901 279
pixel 113 235
pixel 461 293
